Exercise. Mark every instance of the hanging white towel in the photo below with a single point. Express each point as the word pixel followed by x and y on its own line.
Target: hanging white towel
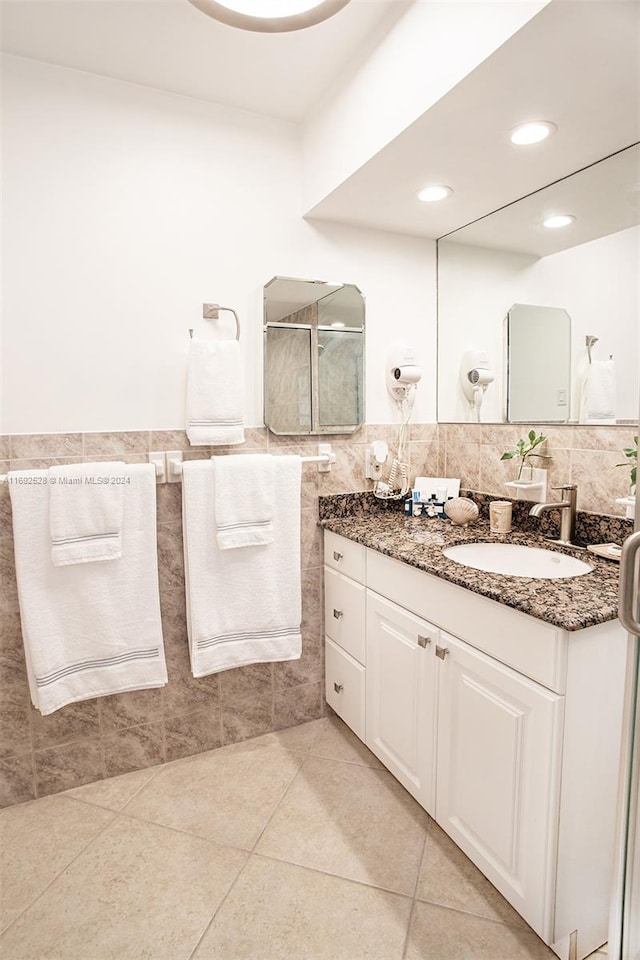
pixel 600 392
pixel 85 512
pixel 215 393
pixel 89 629
pixel 243 606
pixel 244 493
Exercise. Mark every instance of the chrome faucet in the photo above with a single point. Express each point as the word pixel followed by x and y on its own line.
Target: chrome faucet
pixel 567 508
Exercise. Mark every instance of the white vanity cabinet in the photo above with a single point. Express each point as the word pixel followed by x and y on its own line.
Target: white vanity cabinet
pixel 503 727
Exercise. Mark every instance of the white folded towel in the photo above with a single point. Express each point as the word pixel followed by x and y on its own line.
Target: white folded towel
pixel 244 493
pixel 243 606
pixel 599 392
pixel 89 629
pixel 85 512
pixel 215 393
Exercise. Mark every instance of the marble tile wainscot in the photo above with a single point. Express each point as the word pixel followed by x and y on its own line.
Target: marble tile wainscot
pixel 100 738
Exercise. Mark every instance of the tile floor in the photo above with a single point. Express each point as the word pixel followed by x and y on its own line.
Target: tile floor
pixel 297 845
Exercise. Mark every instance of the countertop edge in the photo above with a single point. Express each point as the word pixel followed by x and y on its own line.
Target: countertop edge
pixel 524 594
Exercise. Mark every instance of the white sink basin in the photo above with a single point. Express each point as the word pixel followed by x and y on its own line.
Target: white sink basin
pixel 517 560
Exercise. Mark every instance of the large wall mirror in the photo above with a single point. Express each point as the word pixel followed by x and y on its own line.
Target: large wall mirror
pixel 313 356
pixel 553 311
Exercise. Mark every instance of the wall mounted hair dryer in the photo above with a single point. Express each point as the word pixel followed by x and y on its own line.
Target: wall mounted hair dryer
pixel 475 376
pixel 403 373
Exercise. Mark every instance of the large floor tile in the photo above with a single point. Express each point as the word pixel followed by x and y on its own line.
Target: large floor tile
pixel 337 742
pixel 299 739
pixel 438 933
pixel 37 841
pixel 138 891
pixel 448 877
pixel 349 820
pixel 277 911
pixel 114 792
pixel 226 795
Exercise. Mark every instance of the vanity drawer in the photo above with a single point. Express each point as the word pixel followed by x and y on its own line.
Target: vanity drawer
pixel 344 612
pixel 345 556
pixel 345 690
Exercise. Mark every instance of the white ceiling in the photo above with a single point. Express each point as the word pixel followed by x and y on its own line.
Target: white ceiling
pixel 171 45
pixel 604 199
pixel 576 64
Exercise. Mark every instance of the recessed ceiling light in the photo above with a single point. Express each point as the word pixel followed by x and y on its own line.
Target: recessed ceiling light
pixel 560 220
pixel 337 323
pixel 270 16
pixel 533 132
pixel 433 194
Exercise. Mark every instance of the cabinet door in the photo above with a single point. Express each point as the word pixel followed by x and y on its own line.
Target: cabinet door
pixel 498 776
pixel 401 695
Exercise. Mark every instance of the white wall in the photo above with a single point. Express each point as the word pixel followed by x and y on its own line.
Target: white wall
pixel 597 283
pixel 476 287
pixel 124 209
pixel 424 55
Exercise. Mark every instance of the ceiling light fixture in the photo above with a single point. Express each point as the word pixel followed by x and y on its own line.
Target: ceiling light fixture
pixel 433 194
pixel 533 132
pixel 270 16
pixel 557 221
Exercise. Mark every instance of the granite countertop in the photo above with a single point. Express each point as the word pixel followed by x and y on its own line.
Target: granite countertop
pixel 570 603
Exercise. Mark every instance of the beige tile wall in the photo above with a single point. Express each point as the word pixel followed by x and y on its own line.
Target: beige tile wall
pixel 585 455
pixel 111 735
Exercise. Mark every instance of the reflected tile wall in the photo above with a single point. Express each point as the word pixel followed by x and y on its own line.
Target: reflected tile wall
pixel 111 735
pixel 585 455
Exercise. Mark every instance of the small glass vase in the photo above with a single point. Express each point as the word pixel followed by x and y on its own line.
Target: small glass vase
pixel 526 474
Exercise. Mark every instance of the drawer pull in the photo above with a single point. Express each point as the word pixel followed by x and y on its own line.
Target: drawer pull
pixel 442 652
pixel 337 556
pixel 338 687
pixel 423 641
pixel 338 614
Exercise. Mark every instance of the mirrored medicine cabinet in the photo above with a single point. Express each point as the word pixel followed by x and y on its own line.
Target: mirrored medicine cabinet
pixel 313 356
pixel 538 364
pixel 528 297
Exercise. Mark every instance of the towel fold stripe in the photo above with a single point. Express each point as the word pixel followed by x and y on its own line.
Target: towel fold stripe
pixel 252 635
pixel 91 536
pixel 97 664
pixel 246 523
pixel 207 423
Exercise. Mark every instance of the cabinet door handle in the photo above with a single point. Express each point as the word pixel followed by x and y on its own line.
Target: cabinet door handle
pixel 338 614
pixel 337 556
pixel 442 652
pixel 423 641
pixel 338 687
